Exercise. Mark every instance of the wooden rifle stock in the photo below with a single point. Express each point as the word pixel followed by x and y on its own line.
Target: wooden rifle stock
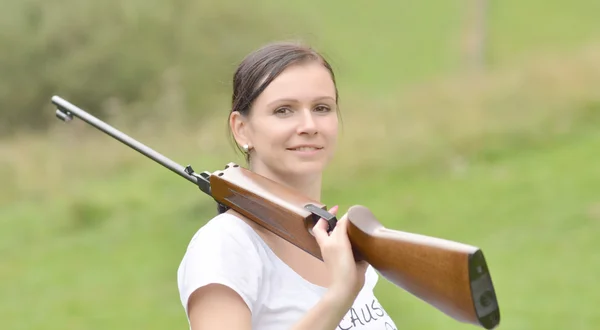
pixel 452 277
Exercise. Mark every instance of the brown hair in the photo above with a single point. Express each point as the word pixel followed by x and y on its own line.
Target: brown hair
pixel 259 68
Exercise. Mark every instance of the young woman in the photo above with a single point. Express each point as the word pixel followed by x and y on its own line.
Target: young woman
pixel 236 275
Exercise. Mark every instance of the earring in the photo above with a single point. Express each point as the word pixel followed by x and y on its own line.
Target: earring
pixel 246 148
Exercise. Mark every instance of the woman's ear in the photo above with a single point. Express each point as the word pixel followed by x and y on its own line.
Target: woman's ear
pixel 239 128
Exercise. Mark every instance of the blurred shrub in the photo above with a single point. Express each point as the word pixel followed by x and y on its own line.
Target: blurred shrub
pixel 147 55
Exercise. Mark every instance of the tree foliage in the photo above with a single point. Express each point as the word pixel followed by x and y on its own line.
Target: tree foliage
pixel 132 52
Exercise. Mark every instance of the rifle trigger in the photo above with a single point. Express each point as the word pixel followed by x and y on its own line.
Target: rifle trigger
pixel 321 213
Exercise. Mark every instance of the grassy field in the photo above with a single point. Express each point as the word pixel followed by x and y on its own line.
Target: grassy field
pixel 91 232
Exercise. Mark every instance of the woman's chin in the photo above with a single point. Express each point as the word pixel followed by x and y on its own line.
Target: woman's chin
pixel 305 168
pixel 308 168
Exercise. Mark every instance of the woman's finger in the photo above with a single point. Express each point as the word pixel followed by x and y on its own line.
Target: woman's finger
pixel 341 226
pixel 334 210
pixel 319 231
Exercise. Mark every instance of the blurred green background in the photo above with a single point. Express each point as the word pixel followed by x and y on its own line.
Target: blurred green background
pixel 473 123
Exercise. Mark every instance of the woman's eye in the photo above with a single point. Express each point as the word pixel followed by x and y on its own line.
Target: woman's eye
pixel 322 108
pixel 282 110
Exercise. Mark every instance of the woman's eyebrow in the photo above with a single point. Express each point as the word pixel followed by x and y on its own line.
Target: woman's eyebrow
pixel 292 100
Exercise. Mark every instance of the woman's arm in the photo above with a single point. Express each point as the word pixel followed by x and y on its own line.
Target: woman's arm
pixel 218 307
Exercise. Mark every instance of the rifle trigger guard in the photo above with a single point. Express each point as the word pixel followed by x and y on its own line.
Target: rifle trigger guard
pixel 321 213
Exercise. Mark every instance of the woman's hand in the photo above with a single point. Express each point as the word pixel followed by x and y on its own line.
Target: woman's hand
pixel 347 276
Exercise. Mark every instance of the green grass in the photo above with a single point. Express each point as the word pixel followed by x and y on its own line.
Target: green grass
pixel 521 28
pixel 535 213
pixel 91 233
pixel 380 45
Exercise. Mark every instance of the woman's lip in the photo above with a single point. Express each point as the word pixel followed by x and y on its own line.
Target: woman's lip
pixel 306 150
pixel 317 148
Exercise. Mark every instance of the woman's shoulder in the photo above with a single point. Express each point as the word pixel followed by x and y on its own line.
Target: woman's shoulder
pixel 225 230
pixel 225 223
pixel 223 251
pixel 226 245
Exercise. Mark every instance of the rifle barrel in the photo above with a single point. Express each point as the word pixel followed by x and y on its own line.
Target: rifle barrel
pixel 66 110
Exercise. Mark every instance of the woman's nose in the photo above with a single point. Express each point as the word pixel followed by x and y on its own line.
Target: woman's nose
pixel 307 123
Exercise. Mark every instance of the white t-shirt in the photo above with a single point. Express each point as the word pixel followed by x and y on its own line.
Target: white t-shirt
pixel 228 251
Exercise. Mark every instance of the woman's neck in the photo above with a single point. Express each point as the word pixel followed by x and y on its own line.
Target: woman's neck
pixel 309 185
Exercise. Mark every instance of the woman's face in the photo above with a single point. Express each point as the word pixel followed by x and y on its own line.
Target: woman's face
pixel 293 124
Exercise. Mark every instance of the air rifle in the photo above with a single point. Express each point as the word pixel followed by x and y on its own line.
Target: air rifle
pixel 452 277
